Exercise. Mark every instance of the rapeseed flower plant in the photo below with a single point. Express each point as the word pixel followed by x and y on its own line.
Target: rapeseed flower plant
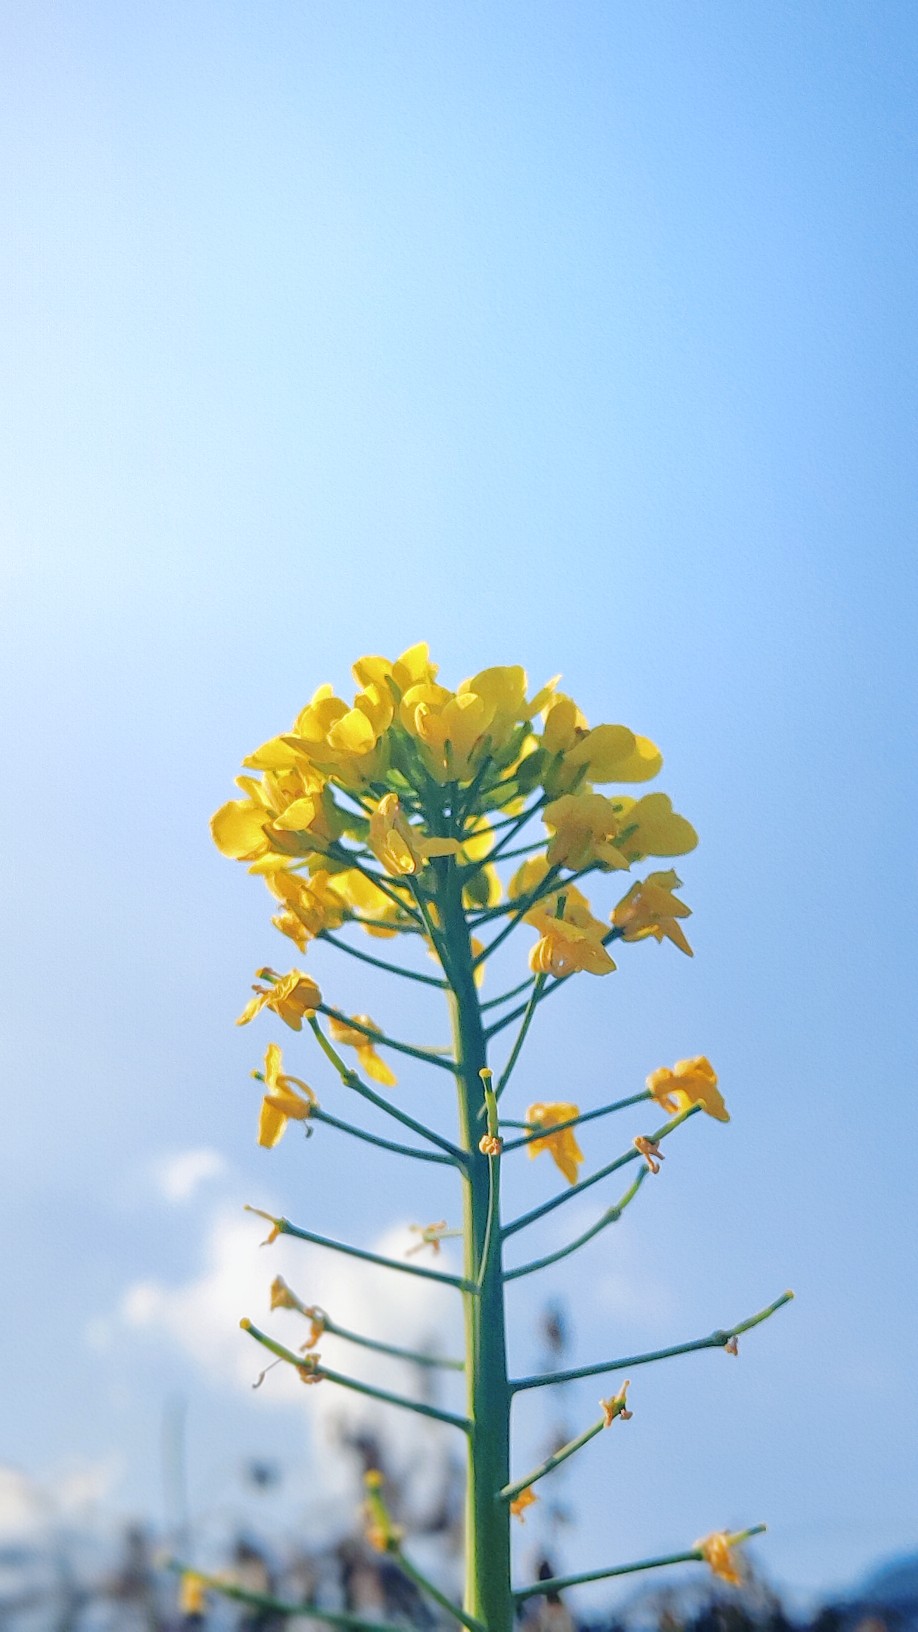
pixel 401 815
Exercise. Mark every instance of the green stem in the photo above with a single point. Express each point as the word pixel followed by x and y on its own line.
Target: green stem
pixel 494 1002
pixel 487 1530
pixel 717 1340
pixel 352 1080
pixel 420 1580
pixel 572 1121
pixel 397 1353
pixel 325 1374
pixel 379 963
pixel 318 1115
pixel 521 1035
pixel 558 1583
pixel 280 1606
pixel 284 1227
pixel 611 1216
pixel 554 986
pixel 509 1492
pixel 338 853
pixel 528 901
pixel 632 1155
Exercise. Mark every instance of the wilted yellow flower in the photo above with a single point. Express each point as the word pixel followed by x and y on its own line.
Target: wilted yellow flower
pixel 617 1406
pixel 650 1150
pixel 282 1297
pixel 716 1551
pixel 689 1080
pixel 563 1146
pixel 584 826
pixel 291 997
pixel 287 1100
pixel 366 1051
pixel 525 1499
pixel 399 847
pixel 650 908
pixel 650 827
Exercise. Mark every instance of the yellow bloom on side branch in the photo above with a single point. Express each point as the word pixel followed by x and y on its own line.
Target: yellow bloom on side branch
pixel 291 997
pixel 287 1100
pixel 650 908
pixel 370 1061
pixel 716 1550
pixel 562 1146
pixel 688 1082
pixel 400 848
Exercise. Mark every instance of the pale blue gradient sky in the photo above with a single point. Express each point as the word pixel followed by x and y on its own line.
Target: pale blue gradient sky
pixel 579 335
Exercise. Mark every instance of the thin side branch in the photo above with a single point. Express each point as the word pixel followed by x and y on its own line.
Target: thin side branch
pixel 717 1340
pixel 557 1583
pixel 280 1606
pixel 318 1115
pixel 283 1226
pixel 610 1216
pixel 313 1372
pixel 351 1079
pixel 380 963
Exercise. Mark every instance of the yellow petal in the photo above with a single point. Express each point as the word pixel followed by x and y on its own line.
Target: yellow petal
pixel 271 1124
pixel 238 829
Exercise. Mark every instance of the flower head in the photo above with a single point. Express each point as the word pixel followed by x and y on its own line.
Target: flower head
pixel 351 1037
pixel 688 1082
pixel 291 997
pixel 562 1145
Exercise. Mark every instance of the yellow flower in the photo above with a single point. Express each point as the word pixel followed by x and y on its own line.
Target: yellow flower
pixel 366 1051
pixel 650 827
pixel 287 1100
pixel 192 1594
pixel 564 947
pixel 584 826
pixel 563 1146
pixel 312 904
pixel 411 669
pixel 525 1499
pixel 650 908
pixel 688 1082
pixel 716 1551
pixel 238 829
pixel 400 848
pixel 291 997
pixel 347 743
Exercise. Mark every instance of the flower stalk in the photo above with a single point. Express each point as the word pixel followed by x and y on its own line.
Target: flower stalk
pixel 399 815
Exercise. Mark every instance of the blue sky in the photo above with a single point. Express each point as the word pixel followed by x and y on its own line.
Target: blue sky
pixel 575 335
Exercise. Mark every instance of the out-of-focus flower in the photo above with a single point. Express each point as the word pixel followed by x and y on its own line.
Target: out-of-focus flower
pixel 561 1145
pixel 370 1061
pixel 287 1100
pixel 717 1551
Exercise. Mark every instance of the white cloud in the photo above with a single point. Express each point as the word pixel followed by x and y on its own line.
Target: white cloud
pixel 180 1175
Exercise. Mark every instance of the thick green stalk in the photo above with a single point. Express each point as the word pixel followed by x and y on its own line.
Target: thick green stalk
pixel 487 1594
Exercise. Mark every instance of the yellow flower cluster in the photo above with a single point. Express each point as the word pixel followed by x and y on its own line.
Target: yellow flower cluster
pixel 340 813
